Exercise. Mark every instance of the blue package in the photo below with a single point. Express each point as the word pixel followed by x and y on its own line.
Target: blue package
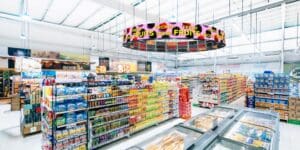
pixel 71 106
pixel 60 91
pixel 81 105
pixel 60 107
pixel 71 118
pixel 80 117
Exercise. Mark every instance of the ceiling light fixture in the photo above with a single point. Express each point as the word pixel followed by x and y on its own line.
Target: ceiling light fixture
pixel 22 36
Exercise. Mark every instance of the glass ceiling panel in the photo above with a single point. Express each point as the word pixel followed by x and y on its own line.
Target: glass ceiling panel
pixel 99 17
pixel 85 9
pixel 10 6
pixel 59 10
pixel 36 8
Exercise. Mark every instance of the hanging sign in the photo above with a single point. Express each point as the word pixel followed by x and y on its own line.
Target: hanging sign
pixel 167 36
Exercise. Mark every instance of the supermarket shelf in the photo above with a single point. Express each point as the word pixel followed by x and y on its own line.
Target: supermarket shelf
pixel 272 108
pixel 65 97
pixel 71 124
pixel 271 93
pixel 102 106
pixel 70 111
pixel 271 88
pixel 43 120
pixel 98 135
pixel 110 141
pixel 109 113
pixel 111 121
pixel 76 145
pixel 71 137
pixel 107 98
pixel 271 98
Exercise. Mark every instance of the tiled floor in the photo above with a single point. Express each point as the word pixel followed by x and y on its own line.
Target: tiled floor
pixel 11 139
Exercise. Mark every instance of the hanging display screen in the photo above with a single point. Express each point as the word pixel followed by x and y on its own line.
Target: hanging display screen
pixel 182 46
pixel 160 46
pixel 19 52
pixel 193 46
pixel 171 46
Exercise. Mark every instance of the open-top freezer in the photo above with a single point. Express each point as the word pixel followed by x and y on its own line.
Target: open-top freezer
pixel 176 138
pixel 212 119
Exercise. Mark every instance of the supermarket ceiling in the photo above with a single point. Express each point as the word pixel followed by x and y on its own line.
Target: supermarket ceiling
pixel 112 16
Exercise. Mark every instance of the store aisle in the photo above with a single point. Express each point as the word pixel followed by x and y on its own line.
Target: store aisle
pixel 10 132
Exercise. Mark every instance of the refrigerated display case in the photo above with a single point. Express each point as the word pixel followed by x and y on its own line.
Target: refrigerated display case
pixel 211 119
pixel 226 144
pixel 225 128
pixel 176 138
pixel 259 119
pixel 251 129
pixel 250 134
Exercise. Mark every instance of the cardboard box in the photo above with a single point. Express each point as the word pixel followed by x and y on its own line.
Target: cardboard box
pixel 297 110
pixel 292 115
pixel 292 102
pixel 31 130
pixel 292 108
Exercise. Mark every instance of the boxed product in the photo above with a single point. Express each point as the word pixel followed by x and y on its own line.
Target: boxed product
pixel 292 115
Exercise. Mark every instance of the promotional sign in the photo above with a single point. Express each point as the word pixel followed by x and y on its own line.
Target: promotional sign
pixel 123 66
pixel 27 64
pixel 3 63
pixel 166 36
pixel 104 61
pixel 101 69
pixel 60 55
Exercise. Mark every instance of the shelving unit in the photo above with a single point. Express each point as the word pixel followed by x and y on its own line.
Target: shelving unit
pixel 108 112
pixel 209 91
pixel 272 92
pixel 152 105
pixel 218 89
pixel 31 93
pixel 64 116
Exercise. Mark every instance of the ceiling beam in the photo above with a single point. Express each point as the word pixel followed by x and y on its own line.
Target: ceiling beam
pixel 250 11
pixel 73 9
pixel 125 8
pixel 47 9
pixel 89 17
pixel 105 22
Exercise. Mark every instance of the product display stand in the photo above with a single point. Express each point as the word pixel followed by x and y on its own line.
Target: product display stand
pixel 64 116
pixel 184 103
pixel 294 101
pixel 108 113
pixel 219 89
pixel 31 110
pixel 209 96
pixel 152 105
pixel 272 92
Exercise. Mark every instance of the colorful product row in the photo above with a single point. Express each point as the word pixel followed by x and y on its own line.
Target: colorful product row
pixel 109 126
